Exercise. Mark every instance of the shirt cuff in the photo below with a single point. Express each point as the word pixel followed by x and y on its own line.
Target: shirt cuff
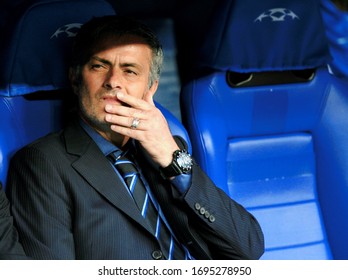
pixel 182 182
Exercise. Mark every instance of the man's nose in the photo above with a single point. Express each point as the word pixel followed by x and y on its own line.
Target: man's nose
pixel 112 80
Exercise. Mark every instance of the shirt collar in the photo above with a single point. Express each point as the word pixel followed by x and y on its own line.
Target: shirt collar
pixel 104 145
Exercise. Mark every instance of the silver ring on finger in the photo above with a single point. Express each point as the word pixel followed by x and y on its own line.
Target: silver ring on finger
pixel 135 123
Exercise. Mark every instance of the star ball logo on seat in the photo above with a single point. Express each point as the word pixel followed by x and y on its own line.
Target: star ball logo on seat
pixel 277 14
pixel 68 30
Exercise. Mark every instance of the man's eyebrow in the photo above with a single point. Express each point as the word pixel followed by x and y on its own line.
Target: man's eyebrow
pixel 129 64
pixel 102 60
pixel 125 64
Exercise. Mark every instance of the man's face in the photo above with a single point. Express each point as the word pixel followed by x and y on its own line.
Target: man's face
pixel 118 66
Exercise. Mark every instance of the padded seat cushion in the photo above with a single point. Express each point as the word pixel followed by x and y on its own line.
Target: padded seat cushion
pixel 274 177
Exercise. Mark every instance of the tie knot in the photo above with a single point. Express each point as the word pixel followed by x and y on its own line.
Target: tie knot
pixel 119 156
pixel 124 163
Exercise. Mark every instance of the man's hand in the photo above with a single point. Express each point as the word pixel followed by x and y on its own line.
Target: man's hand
pixel 152 131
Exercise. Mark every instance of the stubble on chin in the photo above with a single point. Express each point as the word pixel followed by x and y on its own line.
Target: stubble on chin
pixel 93 118
pixel 95 121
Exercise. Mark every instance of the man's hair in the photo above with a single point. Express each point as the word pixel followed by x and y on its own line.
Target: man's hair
pixel 99 29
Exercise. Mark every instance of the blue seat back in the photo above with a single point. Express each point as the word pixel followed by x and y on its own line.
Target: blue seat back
pixel 260 121
pixel 34 87
pixel 34 54
pixel 336 26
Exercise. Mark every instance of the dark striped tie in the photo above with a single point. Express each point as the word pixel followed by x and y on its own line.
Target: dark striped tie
pixel 130 174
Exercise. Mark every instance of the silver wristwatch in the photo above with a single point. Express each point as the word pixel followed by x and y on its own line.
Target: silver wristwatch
pixel 181 164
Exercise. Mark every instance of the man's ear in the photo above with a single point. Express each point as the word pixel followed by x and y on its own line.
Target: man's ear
pixel 151 92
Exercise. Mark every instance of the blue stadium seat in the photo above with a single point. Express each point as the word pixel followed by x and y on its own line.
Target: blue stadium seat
pixel 34 54
pixel 336 25
pixel 268 123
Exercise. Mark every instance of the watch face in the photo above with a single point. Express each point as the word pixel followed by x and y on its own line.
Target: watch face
pixel 184 161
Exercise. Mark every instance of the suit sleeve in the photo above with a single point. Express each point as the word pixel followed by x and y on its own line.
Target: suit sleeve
pixel 228 229
pixel 221 227
pixel 10 248
pixel 40 206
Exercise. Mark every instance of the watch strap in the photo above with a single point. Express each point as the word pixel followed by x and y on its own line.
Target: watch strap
pixel 171 170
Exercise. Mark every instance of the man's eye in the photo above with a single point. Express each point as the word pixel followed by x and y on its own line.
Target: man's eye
pixel 128 71
pixel 96 66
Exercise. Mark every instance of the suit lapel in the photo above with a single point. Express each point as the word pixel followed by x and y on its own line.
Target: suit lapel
pixel 103 178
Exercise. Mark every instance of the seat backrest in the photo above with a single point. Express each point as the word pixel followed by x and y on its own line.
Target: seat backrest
pixel 336 26
pixel 260 121
pixel 34 54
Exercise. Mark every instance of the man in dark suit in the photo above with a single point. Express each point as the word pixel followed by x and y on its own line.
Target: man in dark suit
pixel 70 200
pixel 10 248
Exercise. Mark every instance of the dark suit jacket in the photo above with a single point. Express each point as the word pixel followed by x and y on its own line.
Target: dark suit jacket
pixel 69 203
pixel 10 248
